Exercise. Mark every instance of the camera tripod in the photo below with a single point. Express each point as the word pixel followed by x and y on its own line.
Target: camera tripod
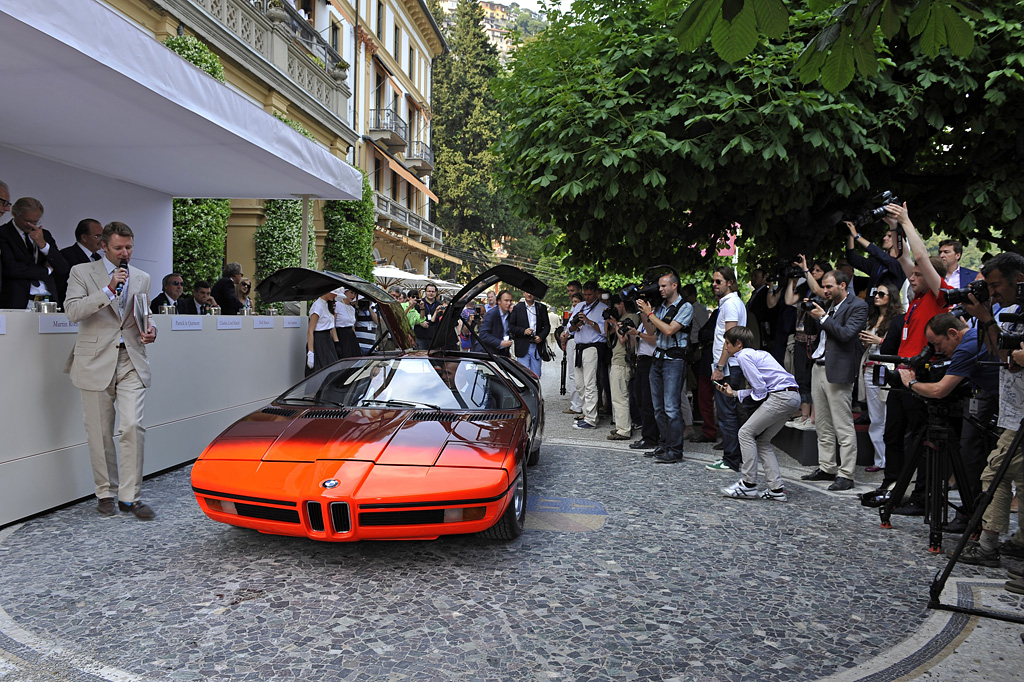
pixel 938 450
pixel 939 583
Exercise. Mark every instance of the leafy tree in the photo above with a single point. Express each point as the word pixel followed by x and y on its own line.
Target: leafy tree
pixel 643 152
pixel 465 125
pixel 348 247
pixel 278 240
pixel 847 41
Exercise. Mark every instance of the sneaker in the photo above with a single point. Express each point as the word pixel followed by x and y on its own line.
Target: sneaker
pixel 718 465
pixel 976 555
pixel 769 494
pixel 1011 549
pixel 741 490
pixel 1016 585
pixel 583 424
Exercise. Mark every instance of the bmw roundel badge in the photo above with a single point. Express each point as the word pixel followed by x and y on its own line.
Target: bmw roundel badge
pixel 330 483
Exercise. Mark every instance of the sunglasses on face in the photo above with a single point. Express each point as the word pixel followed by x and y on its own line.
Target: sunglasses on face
pixel 881 293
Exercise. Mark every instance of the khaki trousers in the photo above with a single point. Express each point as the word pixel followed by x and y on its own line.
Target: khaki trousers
pixel 586 384
pixel 833 419
pixel 113 475
pixel 997 516
pixel 619 376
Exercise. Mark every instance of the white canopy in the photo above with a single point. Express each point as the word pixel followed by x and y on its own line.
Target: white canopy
pixel 386 275
pixel 87 88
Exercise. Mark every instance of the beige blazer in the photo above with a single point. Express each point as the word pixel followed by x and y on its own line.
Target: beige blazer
pixel 93 362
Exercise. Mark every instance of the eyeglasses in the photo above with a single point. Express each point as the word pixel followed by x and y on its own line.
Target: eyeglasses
pixel 4 203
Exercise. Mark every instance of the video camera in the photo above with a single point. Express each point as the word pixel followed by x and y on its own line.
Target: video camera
pixel 649 290
pixel 872 214
pixel 927 368
pixel 786 269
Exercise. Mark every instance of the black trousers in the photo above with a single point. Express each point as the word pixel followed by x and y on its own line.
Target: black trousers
pixel 906 418
pixel 642 381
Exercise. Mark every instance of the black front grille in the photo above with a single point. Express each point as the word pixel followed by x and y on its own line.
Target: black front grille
pixel 316 515
pixel 434 417
pixel 412 517
pixel 326 414
pixel 491 416
pixel 340 518
pixel 256 511
pixel 279 411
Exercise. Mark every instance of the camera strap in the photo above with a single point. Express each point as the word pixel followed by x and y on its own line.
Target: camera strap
pixel 670 316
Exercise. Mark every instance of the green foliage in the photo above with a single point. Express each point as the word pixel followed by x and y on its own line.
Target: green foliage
pixel 279 241
pixel 349 244
pixel 465 125
pixel 846 41
pixel 195 51
pixel 199 237
pixel 644 153
pixel 294 125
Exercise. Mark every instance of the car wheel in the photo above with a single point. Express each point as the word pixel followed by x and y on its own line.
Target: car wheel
pixel 534 456
pixel 510 525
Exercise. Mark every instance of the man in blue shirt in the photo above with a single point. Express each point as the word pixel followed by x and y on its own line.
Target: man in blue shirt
pixel 671 324
pixel 955 340
pixel 775 390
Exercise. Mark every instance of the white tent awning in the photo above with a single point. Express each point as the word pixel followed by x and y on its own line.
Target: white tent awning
pixel 386 275
pixel 86 88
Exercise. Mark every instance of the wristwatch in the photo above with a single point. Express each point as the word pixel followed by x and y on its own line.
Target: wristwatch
pixel 912 382
pixel 720 368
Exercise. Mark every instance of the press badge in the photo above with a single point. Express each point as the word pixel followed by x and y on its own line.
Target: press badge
pixel 904 333
pixel 974 407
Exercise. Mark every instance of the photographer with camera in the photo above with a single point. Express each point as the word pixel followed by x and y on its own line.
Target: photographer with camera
pixel 430 309
pixel 836 359
pixel 671 323
pixel 951 338
pixel 620 321
pixel 587 326
pixel 805 328
pixel 1004 276
pixel 881 263
pixel 905 415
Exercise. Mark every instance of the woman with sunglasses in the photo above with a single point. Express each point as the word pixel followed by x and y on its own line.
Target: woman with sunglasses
pixel 243 291
pixel 885 311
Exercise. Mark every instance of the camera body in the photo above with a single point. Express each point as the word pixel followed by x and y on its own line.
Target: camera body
pixel 625 324
pixel 808 305
pixel 959 296
pixel 927 368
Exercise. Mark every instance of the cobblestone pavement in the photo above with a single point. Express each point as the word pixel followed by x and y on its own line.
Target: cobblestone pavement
pixel 628 571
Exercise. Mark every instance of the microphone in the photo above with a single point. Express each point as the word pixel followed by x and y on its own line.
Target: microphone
pixel 120 285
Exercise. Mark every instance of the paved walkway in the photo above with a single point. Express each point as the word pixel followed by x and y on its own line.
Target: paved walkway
pixel 628 571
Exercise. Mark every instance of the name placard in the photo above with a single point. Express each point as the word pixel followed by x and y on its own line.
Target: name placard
pixel 262 323
pixel 292 322
pixel 229 322
pixel 3 324
pixel 56 324
pixel 186 323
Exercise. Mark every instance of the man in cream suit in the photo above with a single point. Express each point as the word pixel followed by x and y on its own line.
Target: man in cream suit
pixel 110 367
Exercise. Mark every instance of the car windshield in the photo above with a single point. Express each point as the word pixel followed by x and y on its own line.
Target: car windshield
pixel 415 383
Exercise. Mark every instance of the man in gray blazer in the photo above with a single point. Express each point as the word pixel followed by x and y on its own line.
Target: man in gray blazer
pixel 109 366
pixel 836 359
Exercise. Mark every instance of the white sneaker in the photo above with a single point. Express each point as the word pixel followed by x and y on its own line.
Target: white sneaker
pixel 768 494
pixel 741 490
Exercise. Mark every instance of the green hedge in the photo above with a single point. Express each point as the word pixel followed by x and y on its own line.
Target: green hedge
pixel 348 247
pixel 195 51
pixel 279 241
pixel 199 238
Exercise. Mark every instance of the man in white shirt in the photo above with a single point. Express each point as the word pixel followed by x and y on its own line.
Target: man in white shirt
pixel 731 313
pixel 587 326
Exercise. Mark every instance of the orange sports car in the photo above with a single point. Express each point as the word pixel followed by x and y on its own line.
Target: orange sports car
pixel 396 445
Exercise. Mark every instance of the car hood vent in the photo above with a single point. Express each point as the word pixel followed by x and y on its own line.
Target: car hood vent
pixel 279 411
pixel 491 416
pixel 326 414
pixel 434 417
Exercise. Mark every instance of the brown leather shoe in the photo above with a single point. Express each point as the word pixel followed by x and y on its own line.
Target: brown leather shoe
pixel 615 435
pixel 141 510
pixel 105 506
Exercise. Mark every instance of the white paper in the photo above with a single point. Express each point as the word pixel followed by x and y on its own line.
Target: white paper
pixel 186 323
pixel 229 322
pixel 262 323
pixel 3 324
pixel 56 324
pixel 291 322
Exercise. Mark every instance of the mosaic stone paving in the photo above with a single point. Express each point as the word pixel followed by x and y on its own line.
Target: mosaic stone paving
pixel 673 583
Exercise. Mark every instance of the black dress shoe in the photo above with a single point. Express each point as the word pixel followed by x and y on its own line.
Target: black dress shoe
pixel 141 510
pixel 642 445
pixel 702 439
pixel 910 508
pixel 656 452
pixel 818 475
pixel 875 498
pixel 105 506
pixel 666 458
pixel 718 446
pixel 841 483
pixel 957 526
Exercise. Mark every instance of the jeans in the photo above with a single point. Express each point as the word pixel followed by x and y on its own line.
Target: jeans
pixel 666 386
pixel 728 426
pixel 642 381
pixel 531 360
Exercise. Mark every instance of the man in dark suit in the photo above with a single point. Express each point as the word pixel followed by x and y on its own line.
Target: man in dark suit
pixel 224 289
pixel 197 303
pixel 85 250
pixel 31 262
pixel 836 359
pixel 494 331
pixel 950 253
pixel 529 327
pixel 171 294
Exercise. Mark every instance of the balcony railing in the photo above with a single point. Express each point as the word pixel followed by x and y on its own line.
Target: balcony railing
pixel 419 228
pixel 388 127
pixel 420 158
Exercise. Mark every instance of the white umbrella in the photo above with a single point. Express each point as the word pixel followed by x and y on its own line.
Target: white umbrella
pixel 387 275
